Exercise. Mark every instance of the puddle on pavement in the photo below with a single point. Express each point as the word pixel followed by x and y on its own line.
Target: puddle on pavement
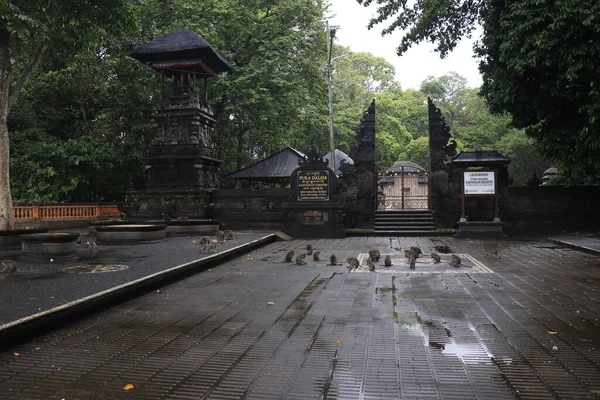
pixel 453 349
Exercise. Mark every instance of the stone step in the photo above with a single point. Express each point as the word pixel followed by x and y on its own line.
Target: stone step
pixel 403 212
pixel 404 220
pixel 404 227
pixel 382 225
pixel 396 233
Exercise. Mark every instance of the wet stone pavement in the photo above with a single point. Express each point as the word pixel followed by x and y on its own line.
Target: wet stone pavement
pixel 41 284
pixel 523 326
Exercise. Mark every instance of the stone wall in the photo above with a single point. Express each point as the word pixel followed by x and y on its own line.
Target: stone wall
pixel 553 207
pixel 250 209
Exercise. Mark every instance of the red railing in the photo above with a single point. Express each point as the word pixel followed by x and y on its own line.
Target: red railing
pixel 65 212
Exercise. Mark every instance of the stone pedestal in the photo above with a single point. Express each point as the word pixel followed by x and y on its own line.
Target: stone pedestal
pixel 12 237
pixel 130 233
pixel 316 221
pixel 47 244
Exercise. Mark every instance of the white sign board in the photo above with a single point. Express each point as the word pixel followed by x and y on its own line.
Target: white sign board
pixel 479 182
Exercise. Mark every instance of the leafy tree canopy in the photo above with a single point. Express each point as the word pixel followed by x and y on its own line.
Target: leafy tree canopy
pixel 536 64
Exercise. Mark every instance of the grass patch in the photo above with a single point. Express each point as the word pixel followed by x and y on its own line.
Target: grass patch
pixel 386 289
pixel 422 321
pixel 360 230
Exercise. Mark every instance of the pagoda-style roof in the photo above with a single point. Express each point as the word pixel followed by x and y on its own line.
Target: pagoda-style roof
pixel 339 157
pixel 480 158
pixel 182 49
pixel 276 168
pixel 409 167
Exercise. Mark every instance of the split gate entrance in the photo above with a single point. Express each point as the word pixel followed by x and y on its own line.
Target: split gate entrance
pixel 404 191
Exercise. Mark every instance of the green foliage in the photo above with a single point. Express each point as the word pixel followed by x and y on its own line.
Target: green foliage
pixel 357 79
pixel 537 64
pixel 526 159
pixel 80 133
pixel 417 151
pixel 90 107
pixel 441 22
pixel 81 128
pixel 538 67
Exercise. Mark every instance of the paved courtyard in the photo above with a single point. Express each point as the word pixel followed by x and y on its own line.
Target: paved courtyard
pixel 523 326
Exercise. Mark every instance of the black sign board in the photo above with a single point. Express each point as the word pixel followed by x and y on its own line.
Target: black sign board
pixel 313 185
pixel 312 218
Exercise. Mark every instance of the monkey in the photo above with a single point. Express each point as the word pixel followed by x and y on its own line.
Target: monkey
pixel 408 254
pixel 10 266
pixel 203 240
pixel 220 237
pixel 289 255
pixel 374 255
pixel 412 261
pixel 436 258
pixel 353 262
pixel 332 260
pixel 388 261
pixel 309 248
pixel 491 253
pixel 455 261
pixel 229 235
pixel 300 259
pixel 316 256
pixel 416 251
pixel 205 248
pixel 371 265
pixel 91 247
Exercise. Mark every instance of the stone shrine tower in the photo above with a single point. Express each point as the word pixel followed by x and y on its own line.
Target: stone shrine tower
pixel 182 165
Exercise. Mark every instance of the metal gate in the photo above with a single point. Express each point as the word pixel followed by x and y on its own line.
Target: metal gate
pixel 404 191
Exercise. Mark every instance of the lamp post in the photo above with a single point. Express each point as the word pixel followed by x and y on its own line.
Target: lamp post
pixel 330 92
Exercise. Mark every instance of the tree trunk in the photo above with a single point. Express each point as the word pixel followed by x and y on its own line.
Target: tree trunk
pixel 6 209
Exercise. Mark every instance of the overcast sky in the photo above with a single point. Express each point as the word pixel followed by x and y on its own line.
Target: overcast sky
pixel 416 64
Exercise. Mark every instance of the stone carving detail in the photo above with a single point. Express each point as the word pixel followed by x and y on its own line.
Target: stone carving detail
pixel 441 145
pixel 314 158
pixel 445 184
pixel 359 181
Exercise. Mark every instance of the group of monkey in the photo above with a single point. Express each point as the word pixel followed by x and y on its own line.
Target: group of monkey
pixel 206 243
pixel 374 255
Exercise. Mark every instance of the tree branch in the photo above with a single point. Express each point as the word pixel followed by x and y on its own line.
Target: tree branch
pixel 37 59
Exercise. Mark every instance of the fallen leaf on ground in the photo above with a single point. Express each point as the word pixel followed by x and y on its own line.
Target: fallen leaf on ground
pixel 129 386
pixel 17 354
pixel 271 303
pixel 552 332
pixel 339 341
pixel 248 258
pixel 210 269
pixel 554 348
pixel 157 290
